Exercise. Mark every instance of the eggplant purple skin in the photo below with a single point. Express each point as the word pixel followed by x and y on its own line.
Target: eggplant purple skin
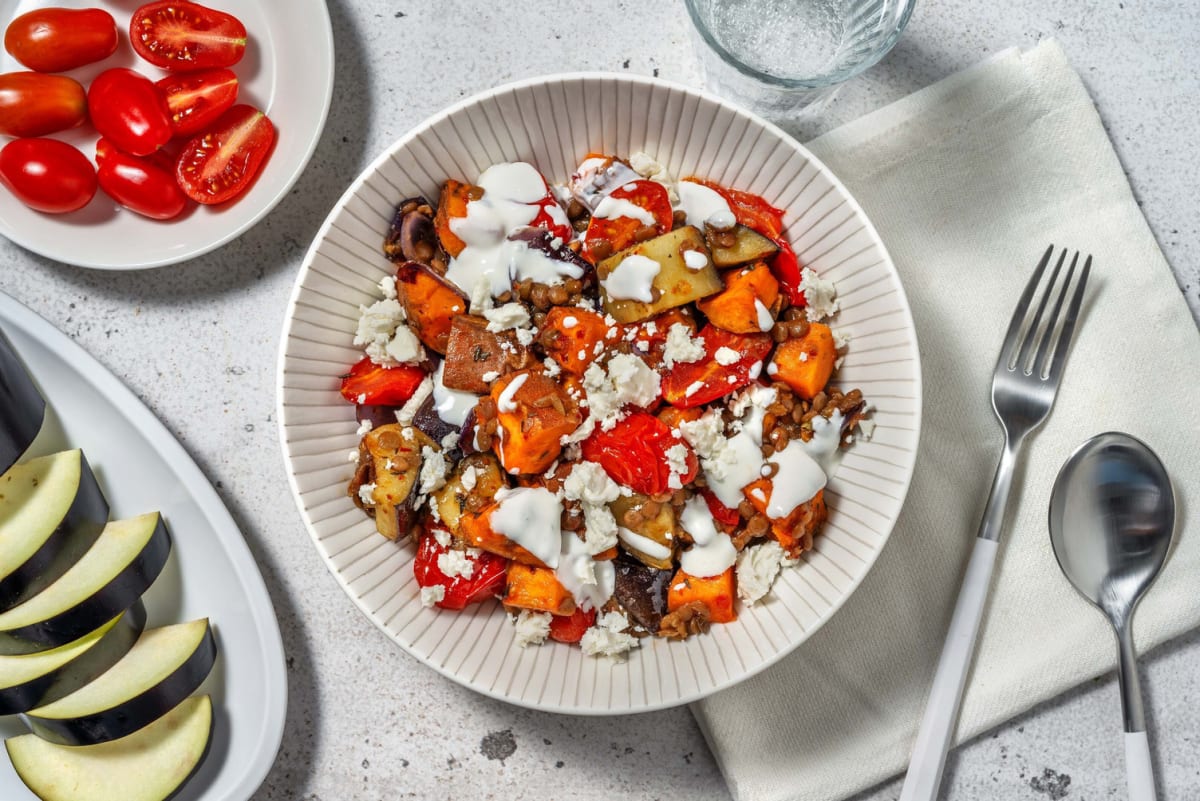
pixel 378 415
pixel 543 240
pixel 119 594
pixel 427 420
pixel 139 711
pixel 641 591
pixel 82 670
pixel 74 535
pixel 412 235
pixel 22 407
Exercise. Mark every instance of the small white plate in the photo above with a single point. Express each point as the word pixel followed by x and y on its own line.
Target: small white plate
pixel 287 71
pixel 211 572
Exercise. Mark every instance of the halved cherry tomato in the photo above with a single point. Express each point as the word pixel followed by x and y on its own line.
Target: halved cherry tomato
pixel 749 209
pixel 570 628
pixel 649 196
pixel 143 185
pixel 726 517
pixel 786 268
pixel 368 383
pixel 703 381
pixel 634 454
pixel 551 216
pixel 127 109
pixel 221 163
pixel 32 104
pixel 486 580
pixel 197 99
pixel 182 36
pixel 61 39
pixel 47 175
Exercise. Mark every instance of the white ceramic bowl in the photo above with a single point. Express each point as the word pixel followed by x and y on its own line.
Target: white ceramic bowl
pixel 287 71
pixel 552 122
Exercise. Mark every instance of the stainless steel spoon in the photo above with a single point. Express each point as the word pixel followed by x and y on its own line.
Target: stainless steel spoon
pixel 1112 516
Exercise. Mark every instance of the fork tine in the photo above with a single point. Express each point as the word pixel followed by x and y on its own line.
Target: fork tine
pixel 1012 339
pixel 1034 334
pixel 1040 363
pixel 1068 327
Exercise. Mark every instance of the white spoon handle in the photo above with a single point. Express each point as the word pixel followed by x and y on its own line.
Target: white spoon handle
pixel 1137 766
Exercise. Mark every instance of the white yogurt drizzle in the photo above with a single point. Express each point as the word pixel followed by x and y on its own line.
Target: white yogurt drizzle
pixel 451 405
pixel 702 204
pixel 766 320
pixel 590 582
pixel 612 207
pixel 530 517
pixel 799 478
pixel 506 402
pixel 712 553
pixel 632 279
pixel 654 550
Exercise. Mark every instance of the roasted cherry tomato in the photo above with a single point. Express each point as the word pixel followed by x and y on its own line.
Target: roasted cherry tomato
pixel 127 109
pixel 221 163
pixel 486 580
pixel 368 383
pixel 616 231
pixel 47 175
pixel 726 517
pixel 61 39
pixel 552 217
pixel 32 104
pixel 195 100
pixel 634 453
pixel 570 628
pixel 143 185
pixel 749 209
pixel 786 268
pixel 706 380
pixel 183 36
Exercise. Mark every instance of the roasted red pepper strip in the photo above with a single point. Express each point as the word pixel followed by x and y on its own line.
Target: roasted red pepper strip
pixel 634 454
pixel 371 384
pixel 570 628
pixel 786 269
pixel 726 517
pixel 486 579
pixel 705 380
pixel 650 196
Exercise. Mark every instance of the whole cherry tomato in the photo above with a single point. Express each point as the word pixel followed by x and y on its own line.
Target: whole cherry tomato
pixel 368 383
pixel 197 99
pixel 486 579
pixel 221 163
pixel 705 380
pixel 619 230
pixel 634 454
pixel 571 628
pixel 183 36
pixel 61 39
pixel 47 175
pixel 143 185
pixel 127 109
pixel 32 104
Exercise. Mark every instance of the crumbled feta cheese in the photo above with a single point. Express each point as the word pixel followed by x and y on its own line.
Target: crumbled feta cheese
pixel 526 336
pixel 433 471
pixel 592 487
pixel 726 356
pixel 455 563
pixel 531 628
pixel 803 356
pixel 693 388
pixel 469 478
pixel 677 465
pixel 366 493
pixel 490 376
pixel 608 637
pixel 406 413
pixel 377 324
pixel 682 346
pixel 627 380
pixel 481 296
pixel 647 166
pixel 757 567
pixel 773 368
pixel 432 594
pixel 442 536
pixel 450 441
pixel 820 295
pixel 364 427
pixel 387 285
pixel 510 315
pixel 404 347
pixel 552 368
pixel 353 457
pixel 866 426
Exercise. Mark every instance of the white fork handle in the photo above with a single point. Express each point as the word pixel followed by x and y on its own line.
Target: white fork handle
pixel 941 710
pixel 1139 771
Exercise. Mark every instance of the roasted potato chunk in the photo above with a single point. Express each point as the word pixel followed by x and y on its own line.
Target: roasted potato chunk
pixel 675 284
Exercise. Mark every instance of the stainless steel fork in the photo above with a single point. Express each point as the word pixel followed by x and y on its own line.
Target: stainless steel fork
pixel 1024 384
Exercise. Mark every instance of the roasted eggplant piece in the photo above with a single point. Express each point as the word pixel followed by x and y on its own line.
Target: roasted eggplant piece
pixel 395 467
pixel 652 539
pixel 739 245
pixel 378 415
pixel 486 478
pixel 431 424
pixel 412 236
pixel 22 407
pixel 675 284
pixel 543 240
pixel 641 591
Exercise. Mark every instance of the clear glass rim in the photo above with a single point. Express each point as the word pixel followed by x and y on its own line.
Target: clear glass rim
pixel 817 81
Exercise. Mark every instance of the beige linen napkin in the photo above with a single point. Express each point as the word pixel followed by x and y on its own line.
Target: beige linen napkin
pixel 968 181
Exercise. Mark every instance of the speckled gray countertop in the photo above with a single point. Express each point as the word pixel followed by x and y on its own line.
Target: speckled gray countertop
pixel 198 343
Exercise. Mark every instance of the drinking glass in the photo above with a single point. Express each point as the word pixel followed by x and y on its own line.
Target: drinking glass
pixel 780 56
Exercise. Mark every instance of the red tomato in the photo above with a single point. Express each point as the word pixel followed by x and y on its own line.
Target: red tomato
pixel 726 517
pixel 570 628
pixel 47 175
pixel 650 196
pixel 142 185
pixel 61 39
pixel 184 36
pixel 634 453
pixel 749 209
pixel 197 99
pixel 221 163
pixel 32 104
pixel 368 383
pixel 786 268
pixel 708 380
pixel 552 217
pixel 486 579
pixel 128 111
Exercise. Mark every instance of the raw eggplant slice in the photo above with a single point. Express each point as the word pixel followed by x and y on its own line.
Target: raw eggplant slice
pixel 149 765
pixel 164 667
pixel 111 576
pixel 32 680
pixel 22 407
pixel 51 512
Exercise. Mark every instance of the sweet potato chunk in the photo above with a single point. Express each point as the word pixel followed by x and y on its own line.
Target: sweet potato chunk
pixel 570 336
pixel 431 303
pixel 453 205
pixel 795 532
pixel 805 364
pixel 537 589
pixel 534 412
pixel 716 594
pixel 735 308
pixel 476 356
pixel 475 530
